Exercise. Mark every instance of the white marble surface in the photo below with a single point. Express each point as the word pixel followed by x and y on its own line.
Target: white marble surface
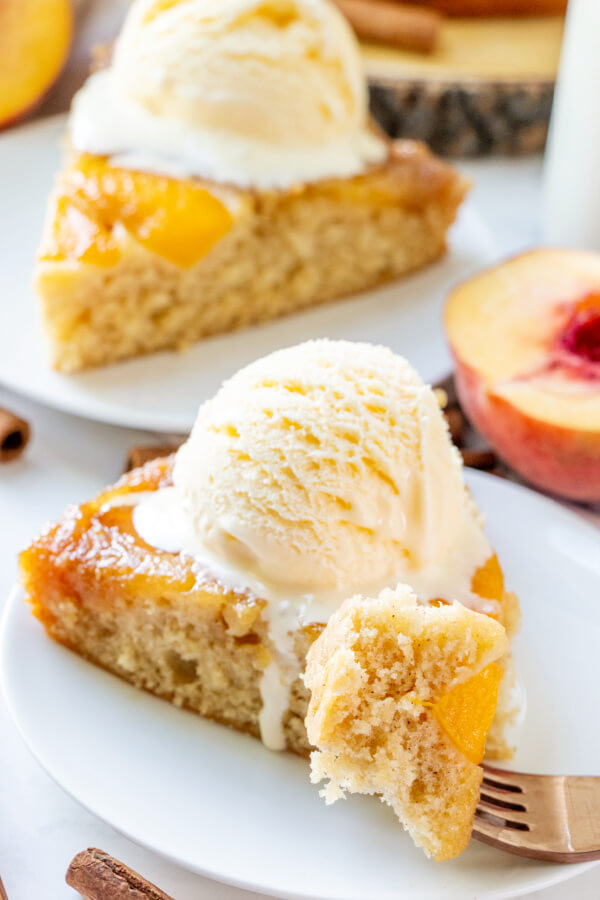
pixel 70 459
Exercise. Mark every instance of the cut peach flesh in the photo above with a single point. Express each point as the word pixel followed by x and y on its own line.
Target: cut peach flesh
pixel 525 336
pixel 35 36
pixel 513 326
pixel 552 398
pixel 466 712
pixel 179 220
pixel 581 333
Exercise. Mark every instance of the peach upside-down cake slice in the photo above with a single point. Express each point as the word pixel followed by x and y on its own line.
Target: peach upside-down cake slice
pixel 402 697
pixel 165 624
pixel 133 262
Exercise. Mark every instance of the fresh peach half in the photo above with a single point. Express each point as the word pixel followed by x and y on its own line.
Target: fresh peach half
pixel 525 336
pixel 35 36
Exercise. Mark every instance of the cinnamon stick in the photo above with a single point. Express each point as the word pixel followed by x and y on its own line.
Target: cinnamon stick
pixel 498 7
pixel 479 459
pixel 392 23
pixel 139 456
pixel 14 435
pixel 456 424
pixel 98 876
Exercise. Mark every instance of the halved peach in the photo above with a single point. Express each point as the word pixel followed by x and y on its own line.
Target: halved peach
pixel 525 336
pixel 35 36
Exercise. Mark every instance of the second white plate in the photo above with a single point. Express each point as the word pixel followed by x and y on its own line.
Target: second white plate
pixel 162 392
pixel 219 803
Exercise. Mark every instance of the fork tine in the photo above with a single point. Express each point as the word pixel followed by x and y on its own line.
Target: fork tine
pixel 512 801
pixel 502 779
pixel 487 832
pixel 500 790
pixel 519 816
pixel 553 817
pixel 515 782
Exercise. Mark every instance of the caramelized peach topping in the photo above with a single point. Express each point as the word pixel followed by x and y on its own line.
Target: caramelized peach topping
pixel 466 712
pixel 179 220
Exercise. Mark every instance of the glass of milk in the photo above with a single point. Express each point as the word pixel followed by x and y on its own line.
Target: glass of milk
pixel 571 186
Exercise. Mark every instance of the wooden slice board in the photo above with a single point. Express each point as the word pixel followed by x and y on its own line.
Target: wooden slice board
pixel 488 89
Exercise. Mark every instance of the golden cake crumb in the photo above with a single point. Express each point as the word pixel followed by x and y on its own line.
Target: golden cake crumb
pixel 386 677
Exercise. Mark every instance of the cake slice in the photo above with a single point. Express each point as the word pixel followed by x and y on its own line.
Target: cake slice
pixel 164 624
pixel 133 262
pixel 223 170
pixel 316 473
pixel 402 697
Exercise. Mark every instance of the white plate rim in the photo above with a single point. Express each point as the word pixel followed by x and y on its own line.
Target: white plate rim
pixel 555 873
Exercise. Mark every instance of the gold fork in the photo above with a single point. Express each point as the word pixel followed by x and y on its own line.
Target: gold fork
pixel 553 817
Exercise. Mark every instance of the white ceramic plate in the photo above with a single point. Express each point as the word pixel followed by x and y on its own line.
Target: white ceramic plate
pixel 218 803
pixel 163 391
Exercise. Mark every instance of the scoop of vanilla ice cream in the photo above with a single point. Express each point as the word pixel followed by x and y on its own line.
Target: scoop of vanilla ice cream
pixel 282 71
pixel 325 466
pixel 260 93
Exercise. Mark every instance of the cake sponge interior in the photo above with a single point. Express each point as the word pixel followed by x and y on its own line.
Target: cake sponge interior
pixel 401 695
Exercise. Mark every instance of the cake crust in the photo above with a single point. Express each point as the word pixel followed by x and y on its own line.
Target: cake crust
pixel 153 618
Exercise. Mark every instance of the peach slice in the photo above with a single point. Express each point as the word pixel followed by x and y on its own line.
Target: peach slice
pixel 35 36
pixel 525 336
pixel 467 711
pixel 174 218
